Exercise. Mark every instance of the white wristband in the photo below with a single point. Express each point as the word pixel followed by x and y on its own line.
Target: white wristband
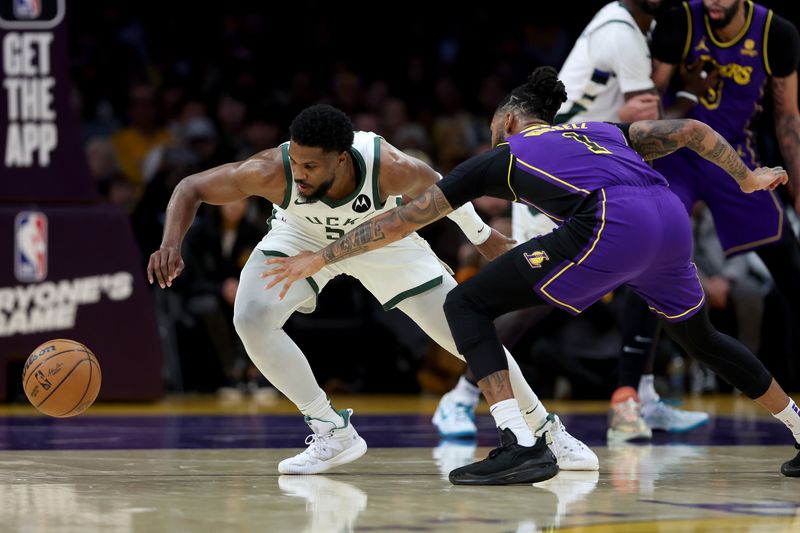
pixel 688 96
pixel 475 229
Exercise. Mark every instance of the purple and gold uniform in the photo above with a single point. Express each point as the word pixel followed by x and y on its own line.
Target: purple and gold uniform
pixel 743 221
pixel 619 221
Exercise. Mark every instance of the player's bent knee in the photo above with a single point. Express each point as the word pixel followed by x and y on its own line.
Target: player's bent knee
pixel 464 318
pixel 254 318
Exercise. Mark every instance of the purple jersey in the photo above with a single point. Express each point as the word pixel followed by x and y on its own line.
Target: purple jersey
pixel 571 161
pixel 743 72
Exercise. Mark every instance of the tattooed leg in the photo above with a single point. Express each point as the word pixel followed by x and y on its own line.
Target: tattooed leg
pixel 496 387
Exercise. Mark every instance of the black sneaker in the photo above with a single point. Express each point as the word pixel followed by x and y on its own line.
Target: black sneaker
pixel 509 464
pixel 792 468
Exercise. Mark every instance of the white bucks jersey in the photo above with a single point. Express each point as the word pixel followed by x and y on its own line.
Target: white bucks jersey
pixel 327 219
pixel 609 59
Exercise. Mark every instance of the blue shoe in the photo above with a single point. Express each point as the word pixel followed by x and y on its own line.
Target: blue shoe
pixel 455 420
pixel 660 416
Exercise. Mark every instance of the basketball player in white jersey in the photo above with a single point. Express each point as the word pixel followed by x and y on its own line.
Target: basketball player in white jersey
pixel 323 182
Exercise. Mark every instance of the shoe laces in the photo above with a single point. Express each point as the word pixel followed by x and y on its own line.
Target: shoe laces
pixel 318 444
pixel 460 412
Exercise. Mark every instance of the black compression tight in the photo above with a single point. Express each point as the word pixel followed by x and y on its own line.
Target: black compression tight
pixel 726 356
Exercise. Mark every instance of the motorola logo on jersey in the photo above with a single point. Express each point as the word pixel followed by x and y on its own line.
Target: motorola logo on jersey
pixel 362 204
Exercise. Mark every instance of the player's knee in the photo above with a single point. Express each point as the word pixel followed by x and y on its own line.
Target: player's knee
pixel 457 302
pixel 464 318
pixel 253 318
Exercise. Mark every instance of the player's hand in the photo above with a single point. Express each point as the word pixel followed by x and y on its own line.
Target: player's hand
pixel 699 80
pixel 764 179
pixel 718 289
pixel 640 107
pixel 165 265
pixel 303 265
pixel 496 245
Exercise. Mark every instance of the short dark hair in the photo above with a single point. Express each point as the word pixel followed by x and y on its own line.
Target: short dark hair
pixel 540 96
pixel 322 126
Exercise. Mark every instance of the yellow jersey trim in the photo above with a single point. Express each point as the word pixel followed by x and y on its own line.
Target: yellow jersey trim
pixel 777 236
pixel 581 260
pixel 508 179
pixel 738 37
pixel 766 40
pixel 688 33
pixel 679 315
pixel 571 186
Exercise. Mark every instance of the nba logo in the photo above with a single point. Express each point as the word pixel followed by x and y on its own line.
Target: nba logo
pixel 30 246
pixel 27 9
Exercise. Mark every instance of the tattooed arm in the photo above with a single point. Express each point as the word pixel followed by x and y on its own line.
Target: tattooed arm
pixel 657 138
pixel 375 233
pixel 787 128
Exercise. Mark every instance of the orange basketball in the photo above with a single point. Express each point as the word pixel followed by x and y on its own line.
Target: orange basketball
pixel 61 378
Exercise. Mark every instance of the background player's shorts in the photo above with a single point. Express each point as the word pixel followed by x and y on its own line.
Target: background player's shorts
pixel 393 273
pixel 639 236
pixel 743 221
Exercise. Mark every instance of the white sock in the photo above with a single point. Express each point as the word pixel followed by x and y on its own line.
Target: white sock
pixel 647 390
pixel 790 417
pixel 536 416
pixel 507 415
pixel 321 409
pixel 466 393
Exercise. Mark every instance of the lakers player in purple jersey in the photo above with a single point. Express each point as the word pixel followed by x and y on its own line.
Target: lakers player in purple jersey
pixel 619 224
pixel 745 51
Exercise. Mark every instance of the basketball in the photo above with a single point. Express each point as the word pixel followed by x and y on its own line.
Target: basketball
pixel 61 378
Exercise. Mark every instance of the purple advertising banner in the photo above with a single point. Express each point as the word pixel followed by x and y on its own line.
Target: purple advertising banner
pixel 42 157
pixel 69 268
pixel 75 272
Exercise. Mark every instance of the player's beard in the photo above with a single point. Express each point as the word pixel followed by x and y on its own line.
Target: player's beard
pixel 727 17
pixel 318 193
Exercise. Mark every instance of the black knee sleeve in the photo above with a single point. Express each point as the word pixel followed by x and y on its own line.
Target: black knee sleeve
pixel 726 356
pixel 474 332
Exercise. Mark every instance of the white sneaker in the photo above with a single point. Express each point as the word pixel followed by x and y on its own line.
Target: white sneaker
pixel 661 416
pixel 329 446
pixel 454 419
pixel 570 453
pixel 333 505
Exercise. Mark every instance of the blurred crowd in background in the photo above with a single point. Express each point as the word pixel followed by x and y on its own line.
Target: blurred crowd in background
pixel 162 95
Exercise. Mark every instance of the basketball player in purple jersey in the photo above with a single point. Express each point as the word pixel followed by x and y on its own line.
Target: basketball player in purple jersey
pixel 619 224
pixel 744 49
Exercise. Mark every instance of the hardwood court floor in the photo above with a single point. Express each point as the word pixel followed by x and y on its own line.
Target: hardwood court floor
pixel 195 465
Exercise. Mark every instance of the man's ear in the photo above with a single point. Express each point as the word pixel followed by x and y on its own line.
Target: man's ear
pixel 509 122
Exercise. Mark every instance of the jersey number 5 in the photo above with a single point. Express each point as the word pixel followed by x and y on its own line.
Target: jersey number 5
pixel 333 233
pixel 586 141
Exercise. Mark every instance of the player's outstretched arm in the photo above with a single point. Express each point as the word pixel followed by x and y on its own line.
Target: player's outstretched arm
pixel 219 185
pixel 657 138
pixel 404 175
pixel 375 233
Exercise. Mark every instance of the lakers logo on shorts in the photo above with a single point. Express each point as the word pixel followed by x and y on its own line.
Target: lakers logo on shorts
pixel 535 259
